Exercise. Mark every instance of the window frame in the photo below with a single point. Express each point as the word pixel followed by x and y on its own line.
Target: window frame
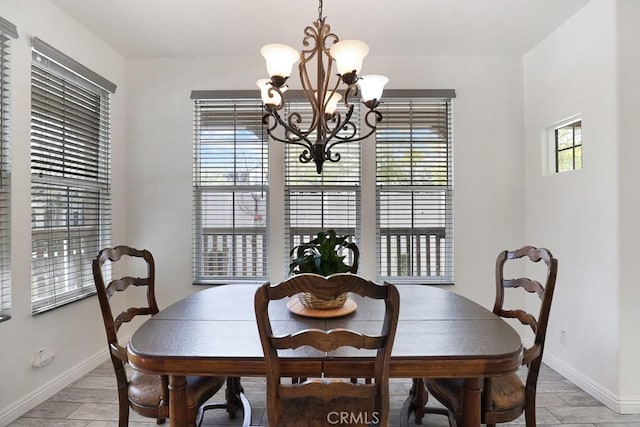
pixel 70 176
pixel 572 148
pixel 318 189
pixel 8 31
pixel 229 100
pixel 426 237
pixel 293 151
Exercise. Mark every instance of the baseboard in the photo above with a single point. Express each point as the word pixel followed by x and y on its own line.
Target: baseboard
pixel 619 404
pixel 38 396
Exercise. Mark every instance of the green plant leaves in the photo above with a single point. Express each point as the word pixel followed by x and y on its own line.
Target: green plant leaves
pixel 320 255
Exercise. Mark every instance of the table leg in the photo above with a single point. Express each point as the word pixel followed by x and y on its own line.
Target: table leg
pixel 420 397
pixel 471 402
pixel 415 403
pixel 177 401
pixel 232 394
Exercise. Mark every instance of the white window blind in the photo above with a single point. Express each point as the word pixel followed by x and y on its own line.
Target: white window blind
pixel 414 190
pixel 315 202
pixel 230 190
pixel 70 178
pixel 7 31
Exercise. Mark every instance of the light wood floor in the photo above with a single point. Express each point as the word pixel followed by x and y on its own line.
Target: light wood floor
pixel 92 402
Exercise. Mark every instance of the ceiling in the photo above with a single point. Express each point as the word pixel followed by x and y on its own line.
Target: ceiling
pixel 190 28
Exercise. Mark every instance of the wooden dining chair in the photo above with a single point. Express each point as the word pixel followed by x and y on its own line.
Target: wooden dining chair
pixel 325 401
pixel 505 398
pixel 146 394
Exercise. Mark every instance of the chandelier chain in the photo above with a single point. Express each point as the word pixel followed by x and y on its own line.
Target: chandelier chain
pixel 319 10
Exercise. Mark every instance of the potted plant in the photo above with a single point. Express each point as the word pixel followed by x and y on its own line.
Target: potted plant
pixel 323 255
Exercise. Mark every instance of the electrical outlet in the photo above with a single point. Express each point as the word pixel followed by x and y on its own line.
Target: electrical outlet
pixel 42 358
pixel 563 337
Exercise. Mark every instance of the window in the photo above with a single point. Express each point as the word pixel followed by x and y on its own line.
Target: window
pixel 230 190
pixel 414 190
pixel 320 202
pixel 70 176
pixel 7 31
pixel 568 146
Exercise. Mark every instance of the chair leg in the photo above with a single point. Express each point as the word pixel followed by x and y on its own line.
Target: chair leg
pixel 530 412
pixel 123 410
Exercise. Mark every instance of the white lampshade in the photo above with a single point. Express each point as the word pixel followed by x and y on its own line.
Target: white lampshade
pixel 348 55
pixel 280 59
pixel 371 86
pixel 331 105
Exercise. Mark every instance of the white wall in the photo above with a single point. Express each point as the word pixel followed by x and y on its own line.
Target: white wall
pixel 152 154
pixel 74 333
pixel 489 197
pixel 573 72
pixel 587 218
pixel 629 199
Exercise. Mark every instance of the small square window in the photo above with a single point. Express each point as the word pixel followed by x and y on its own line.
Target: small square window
pixel 568 146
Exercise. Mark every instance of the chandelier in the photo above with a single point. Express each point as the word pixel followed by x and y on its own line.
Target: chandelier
pixel 328 126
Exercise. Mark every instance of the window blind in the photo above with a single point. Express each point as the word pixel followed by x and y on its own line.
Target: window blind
pixel 320 202
pixel 7 31
pixel 230 191
pixel 70 181
pixel 414 190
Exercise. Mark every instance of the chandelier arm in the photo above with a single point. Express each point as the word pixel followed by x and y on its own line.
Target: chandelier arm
pixel 307 88
pixel 291 126
pixel 342 126
pixel 304 144
pixel 338 125
pixel 338 141
pixel 274 92
pixel 350 129
pixel 293 135
pixel 300 138
pixel 310 33
pixel 377 115
pixel 333 117
pixel 325 37
pixel 332 157
pixel 352 138
pixel 352 90
pixel 305 156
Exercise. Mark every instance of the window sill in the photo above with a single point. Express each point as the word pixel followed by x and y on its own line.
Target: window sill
pixel 415 281
pixel 228 282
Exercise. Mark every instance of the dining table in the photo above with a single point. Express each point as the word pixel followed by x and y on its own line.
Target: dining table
pixel 440 334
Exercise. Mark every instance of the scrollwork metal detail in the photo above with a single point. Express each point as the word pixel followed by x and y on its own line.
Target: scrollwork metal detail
pixel 325 130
